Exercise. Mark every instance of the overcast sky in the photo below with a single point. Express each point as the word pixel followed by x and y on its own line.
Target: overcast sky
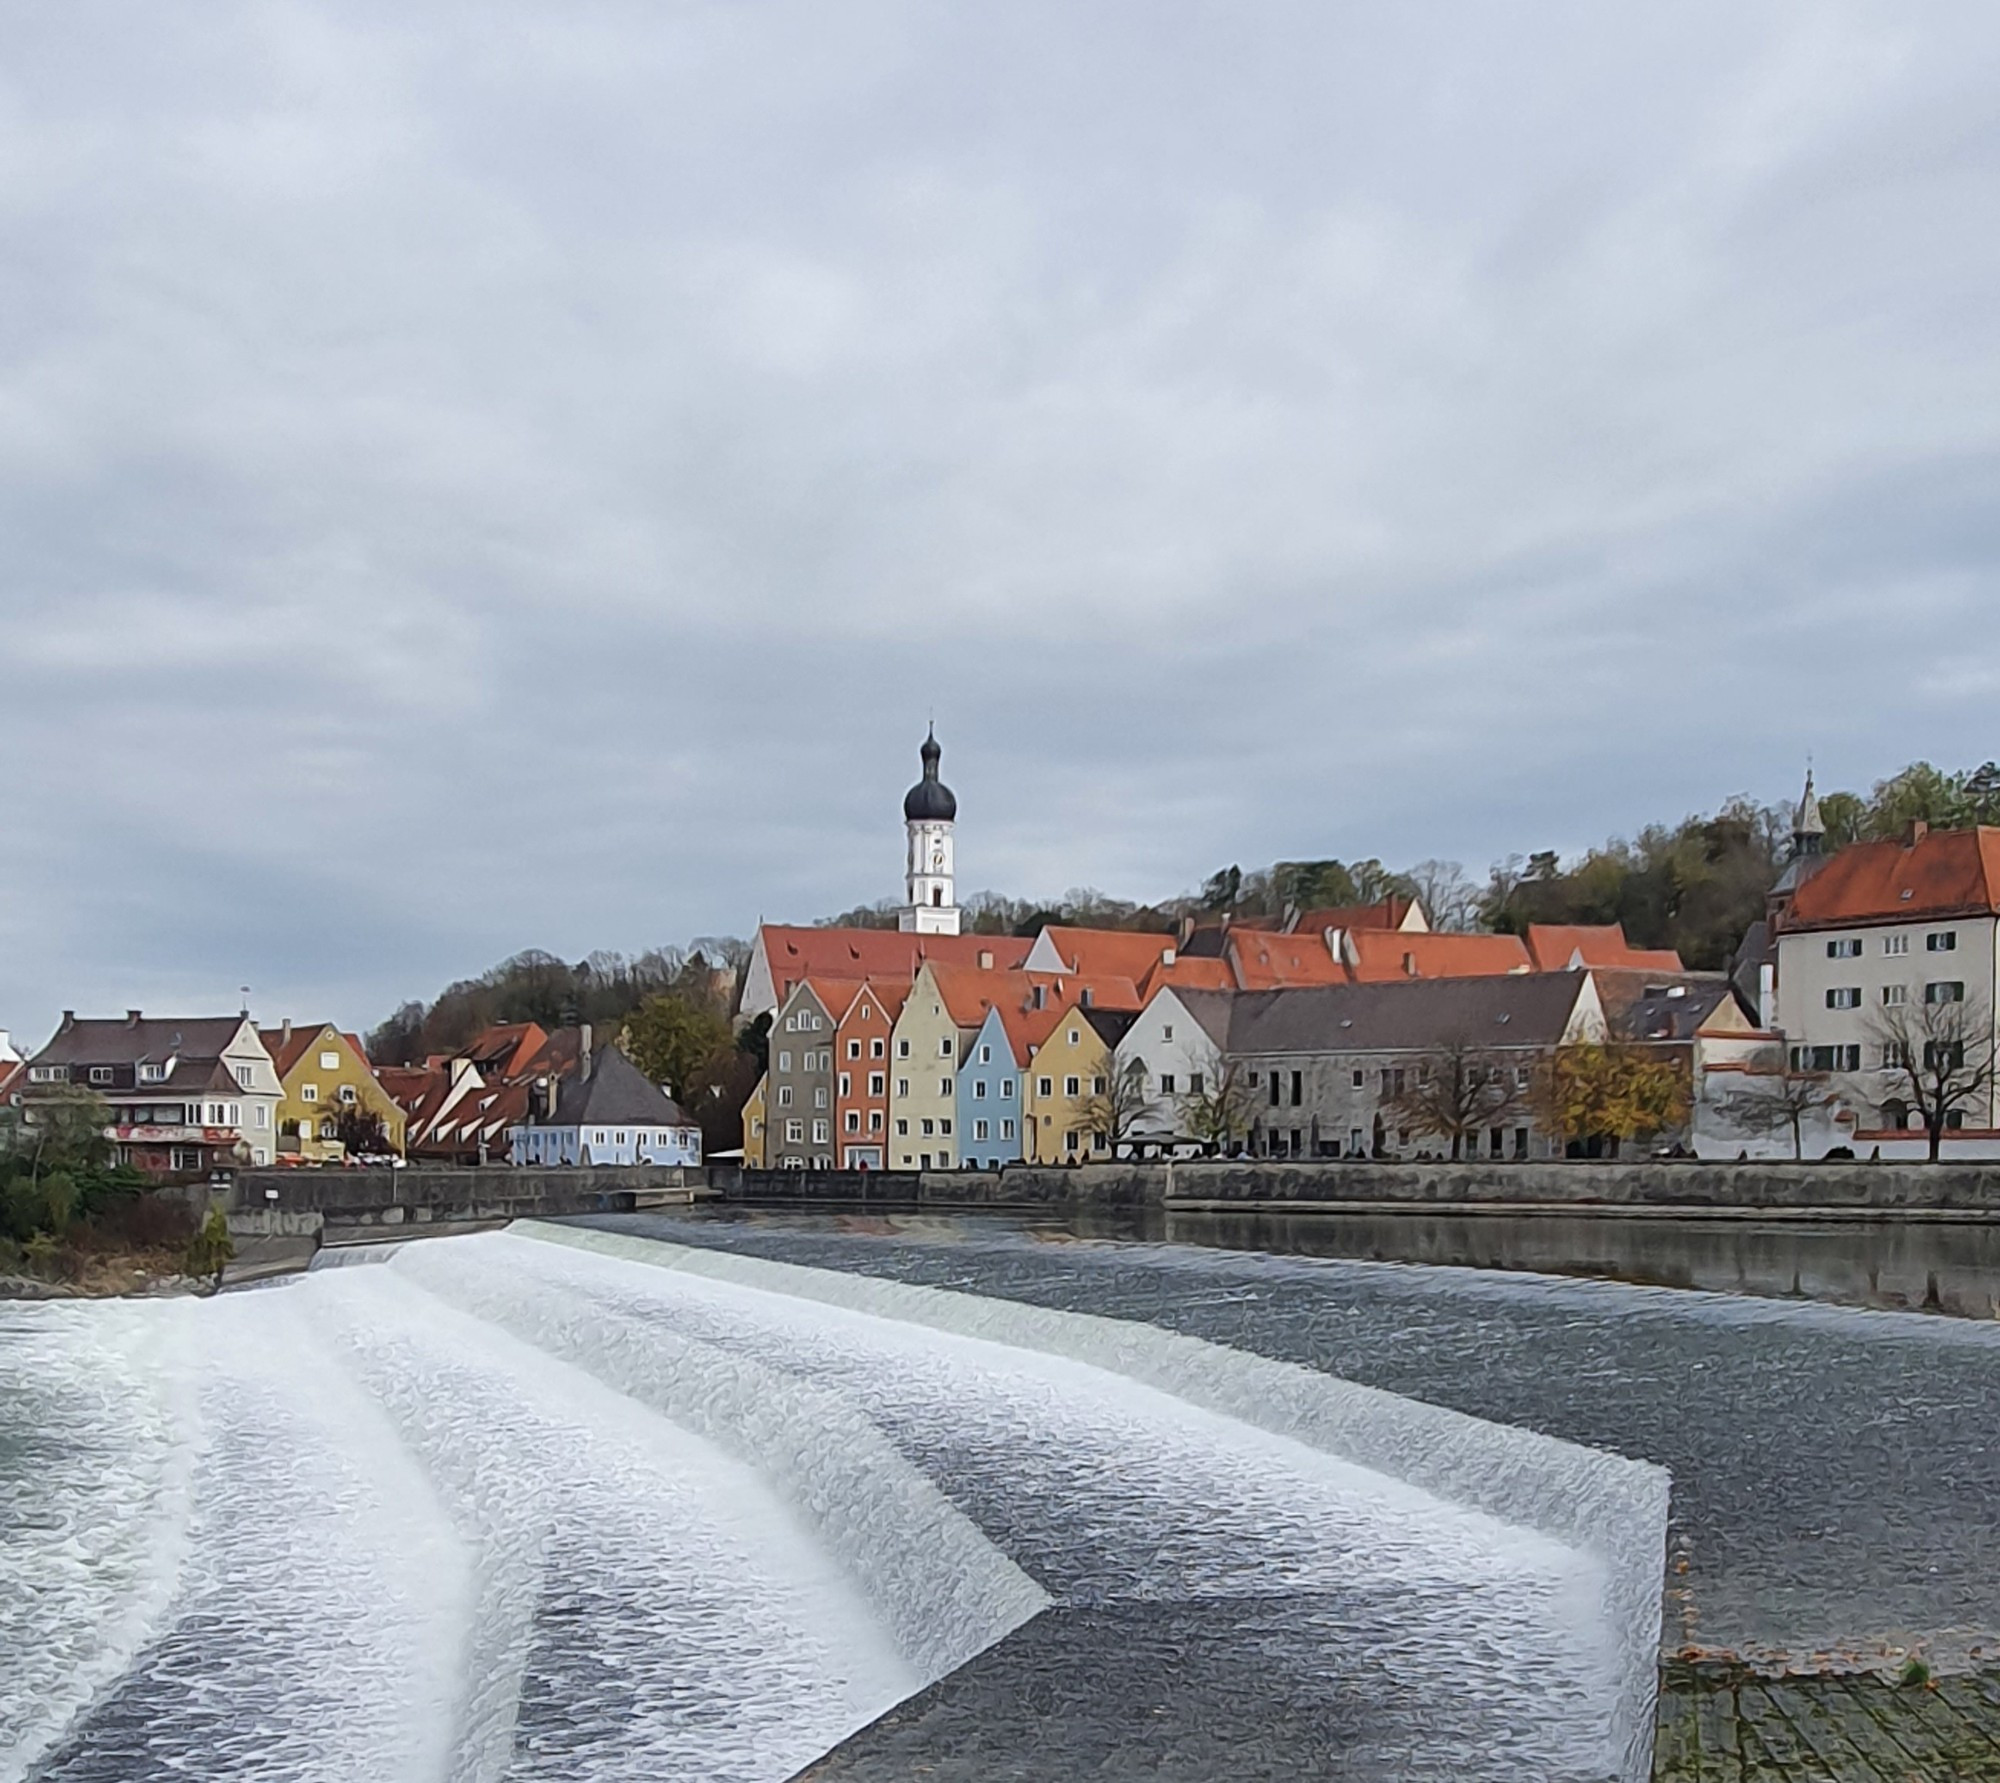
pixel 476 476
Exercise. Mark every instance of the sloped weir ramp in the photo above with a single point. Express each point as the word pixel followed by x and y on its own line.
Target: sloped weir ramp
pixel 581 1505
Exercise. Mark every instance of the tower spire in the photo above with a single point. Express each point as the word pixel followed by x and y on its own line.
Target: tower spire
pixel 1808 827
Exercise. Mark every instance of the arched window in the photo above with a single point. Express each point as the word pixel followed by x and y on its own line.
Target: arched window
pixel 937 894
pixel 1895 1112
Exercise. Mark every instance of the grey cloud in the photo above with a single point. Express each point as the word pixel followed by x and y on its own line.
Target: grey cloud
pixel 481 476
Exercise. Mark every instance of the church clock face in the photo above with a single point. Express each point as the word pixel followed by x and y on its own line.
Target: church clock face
pixel 937 856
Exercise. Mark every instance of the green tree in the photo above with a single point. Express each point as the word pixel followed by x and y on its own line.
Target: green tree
pixel 210 1251
pixel 677 1042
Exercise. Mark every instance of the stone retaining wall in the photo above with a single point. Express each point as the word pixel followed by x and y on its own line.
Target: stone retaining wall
pixel 1857 1190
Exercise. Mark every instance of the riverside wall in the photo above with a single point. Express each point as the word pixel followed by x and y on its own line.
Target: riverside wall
pixel 1639 1188
pixel 301 1203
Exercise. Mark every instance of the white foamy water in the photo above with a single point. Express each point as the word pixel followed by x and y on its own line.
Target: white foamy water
pixel 499 1507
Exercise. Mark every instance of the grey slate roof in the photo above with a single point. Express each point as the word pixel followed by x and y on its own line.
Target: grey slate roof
pixel 1211 1009
pixel 194 1043
pixel 615 1094
pixel 1517 1009
pixel 1660 1005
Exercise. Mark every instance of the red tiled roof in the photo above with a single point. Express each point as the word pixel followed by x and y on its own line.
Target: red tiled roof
pixel 1384 954
pixel 1266 962
pixel 1942 873
pixel 1189 974
pixel 794 953
pixel 1388 914
pixel 1554 944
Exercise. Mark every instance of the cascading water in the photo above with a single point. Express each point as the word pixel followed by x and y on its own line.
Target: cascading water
pixel 510 1508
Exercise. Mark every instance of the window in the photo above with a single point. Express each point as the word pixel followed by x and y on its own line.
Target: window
pixel 1360 1077
pixel 874 1120
pixel 1167 1031
pixel 1298 1087
pixel 979 1089
pixel 979 1130
pixel 902 1086
pixel 1072 1086
pixel 152 1074
pixel 853 1121
pixel 875 1047
pixel 1895 1056
pixel 1006 1129
pixel 903 1129
pixel 1894 995
pixel 986 1055
pixel 1845 996
pixel 1097 1086
pixel 1045 1086
pixel 1006 1088
pixel 100 1074
pixel 1194 1083
pixel 902 1049
pixel 1944 941
pixel 929 1127
pixel 1847 948
pixel 263 1114
pixel 308 1092
pixel 1949 990
pixel 1277 1090
pixel 846 1084
pixel 347 1094
pixel 784 1095
pixel 1069 1141
pixel 854 1049
pixel 1166 1083
pixel 944 1047
pixel 785 1060
pixel 795 1132
pixel 53 1073
pixel 944 1127
pixel 1826 1058
pixel 1497 1143
pixel 1895 944
pixel 329 1061
pixel 1075 1039
pixel 819 1095
pixel 1944 1055
pixel 944 1086
pixel 876 1083
pixel 924 1161
pixel 1520 1142
pixel 820 1133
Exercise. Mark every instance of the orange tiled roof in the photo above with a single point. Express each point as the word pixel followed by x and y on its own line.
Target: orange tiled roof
pixel 890 995
pixel 1189 974
pixel 968 992
pixel 1110 953
pixel 286 1051
pixel 1381 955
pixel 1943 873
pixel 1554 944
pixel 1267 962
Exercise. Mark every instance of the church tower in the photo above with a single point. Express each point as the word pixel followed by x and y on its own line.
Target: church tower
pixel 929 812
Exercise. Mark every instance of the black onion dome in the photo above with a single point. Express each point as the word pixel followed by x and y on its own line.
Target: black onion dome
pixel 930 800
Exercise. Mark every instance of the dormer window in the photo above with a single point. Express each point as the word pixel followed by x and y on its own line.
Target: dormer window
pixel 156 1073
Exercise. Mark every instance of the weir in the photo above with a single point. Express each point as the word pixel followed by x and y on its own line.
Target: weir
pixel 564 1504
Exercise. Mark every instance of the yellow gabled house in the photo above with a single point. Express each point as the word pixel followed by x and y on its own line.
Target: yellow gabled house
pixel 923 1079
pixel 753 1125
pixel 329 1087
pixel 1067 1081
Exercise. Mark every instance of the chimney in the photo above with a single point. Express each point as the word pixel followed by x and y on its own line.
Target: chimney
pixel 1167 956
pixel 986 959
pixel 1040 997
pixel 131 1018
pixel 1916 832
pixel 1086 996
pixel 285 1031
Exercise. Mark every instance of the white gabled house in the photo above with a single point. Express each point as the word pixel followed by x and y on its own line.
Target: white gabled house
pixel 610 1115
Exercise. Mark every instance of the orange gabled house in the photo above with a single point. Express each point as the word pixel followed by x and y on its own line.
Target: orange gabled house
pixel 861 1060
pixel 1564 946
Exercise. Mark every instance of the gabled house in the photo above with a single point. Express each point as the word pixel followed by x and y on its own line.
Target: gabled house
pixel 1068 1083
pixel 861 1087
pixel 184 1094
pixel 755 1119
pixel 782 958
pixel 326 1078
pixel 1175 1050
pixel 801 1079
pixel 1568 947
pixel 608 1114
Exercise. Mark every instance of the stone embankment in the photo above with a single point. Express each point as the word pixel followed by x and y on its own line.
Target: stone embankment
pixel 1639 1189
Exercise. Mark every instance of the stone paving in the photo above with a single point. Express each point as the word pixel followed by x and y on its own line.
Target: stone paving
pixel 1731 1727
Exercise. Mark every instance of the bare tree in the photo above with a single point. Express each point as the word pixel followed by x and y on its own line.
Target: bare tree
pixel 1118 1101
pixel 1455 1091
pixel 1778 1101
pixel 1939 1056
pixel 1450 900
pixel 1215 1108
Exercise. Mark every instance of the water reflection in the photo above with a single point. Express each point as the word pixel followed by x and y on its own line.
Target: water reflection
pixel 1917 1266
